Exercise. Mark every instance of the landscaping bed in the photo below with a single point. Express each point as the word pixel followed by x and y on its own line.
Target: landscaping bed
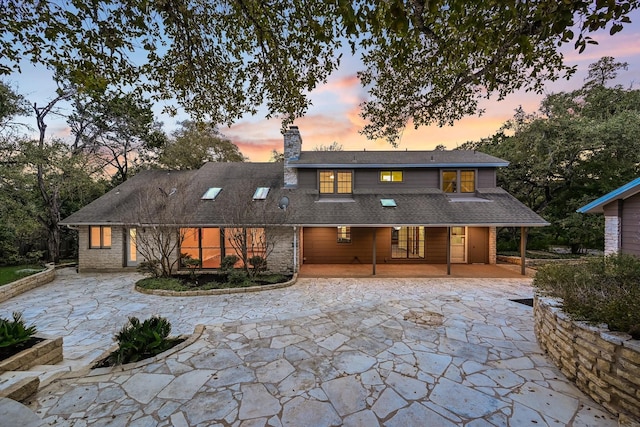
pixel 12 273
pixel 207 281
pixel 39 350
pixel 587 319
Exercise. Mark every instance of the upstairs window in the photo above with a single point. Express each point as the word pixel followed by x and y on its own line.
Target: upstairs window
pixel 391 176
pixel 336 182
pixel 99 237
pixel 459 181
pixel 344 234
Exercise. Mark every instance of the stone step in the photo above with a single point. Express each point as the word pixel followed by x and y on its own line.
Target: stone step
pixel 48 373
pixel 19 385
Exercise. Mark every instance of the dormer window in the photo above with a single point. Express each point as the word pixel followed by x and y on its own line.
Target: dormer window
pixel 459 181
pixel 336 182
pixel 211 193
pixel 391 176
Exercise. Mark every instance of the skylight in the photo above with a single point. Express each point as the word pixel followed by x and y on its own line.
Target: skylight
pixel 211 193
pixel 261 193
pixel 388 203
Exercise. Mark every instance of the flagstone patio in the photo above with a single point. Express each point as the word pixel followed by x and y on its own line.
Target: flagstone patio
pixel 324 352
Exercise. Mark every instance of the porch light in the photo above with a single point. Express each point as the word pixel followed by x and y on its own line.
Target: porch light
pixel 397 228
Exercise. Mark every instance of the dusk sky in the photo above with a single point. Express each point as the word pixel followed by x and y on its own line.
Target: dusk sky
pixel 334 115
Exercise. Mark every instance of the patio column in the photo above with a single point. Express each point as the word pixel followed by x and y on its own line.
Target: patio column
pixel 523 250
pixel 374 251
pixel 448 251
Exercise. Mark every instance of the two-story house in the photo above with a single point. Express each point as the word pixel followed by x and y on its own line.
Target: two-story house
pixel 325 207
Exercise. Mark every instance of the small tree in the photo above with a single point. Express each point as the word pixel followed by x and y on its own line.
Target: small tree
pixel 252 246
pixel 158 216
pixel 249 236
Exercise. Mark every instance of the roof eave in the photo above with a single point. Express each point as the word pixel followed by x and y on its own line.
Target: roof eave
pixel 597 206
pixel 397 165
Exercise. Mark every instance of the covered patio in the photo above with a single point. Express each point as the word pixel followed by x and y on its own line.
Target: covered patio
pixel 497 271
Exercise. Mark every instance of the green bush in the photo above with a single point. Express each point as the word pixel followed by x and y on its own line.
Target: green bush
pixel 164 283
pixel 227 263
pixel 238 278
pixel 150 267
pixel 15 332
pixel 258 265
pixel 600 290
pixel 137 341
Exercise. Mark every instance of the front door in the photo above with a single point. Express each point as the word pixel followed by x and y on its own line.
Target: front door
pixel 478 245
pixel 132 248
pixel 458 245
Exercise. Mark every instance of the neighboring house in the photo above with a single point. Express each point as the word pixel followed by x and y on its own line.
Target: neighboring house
pixel 621 209
pixel 370 207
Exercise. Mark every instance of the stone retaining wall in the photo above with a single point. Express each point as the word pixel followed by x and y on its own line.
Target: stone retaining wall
pixel 530 262
pixel 605 365
pixel 25 284
pixel 47 352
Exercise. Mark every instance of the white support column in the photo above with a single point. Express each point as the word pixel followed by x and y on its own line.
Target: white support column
pixel 611 234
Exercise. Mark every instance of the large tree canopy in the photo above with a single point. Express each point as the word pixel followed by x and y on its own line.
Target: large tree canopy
pixel 424 61
pixel 582 145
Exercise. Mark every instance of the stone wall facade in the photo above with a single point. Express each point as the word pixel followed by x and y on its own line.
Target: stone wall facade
pixel 292 150
pixel 603 364
pixel 611 235
pixel 281 258
pixel 107 259
pixel 492 245
pixel 27 283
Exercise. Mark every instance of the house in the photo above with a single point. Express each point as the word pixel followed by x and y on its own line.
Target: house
pixel 621 209
pixel 370 207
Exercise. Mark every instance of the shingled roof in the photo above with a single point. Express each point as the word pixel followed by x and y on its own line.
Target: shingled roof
pixel 434 208
pixel 175 197
pixel 405 159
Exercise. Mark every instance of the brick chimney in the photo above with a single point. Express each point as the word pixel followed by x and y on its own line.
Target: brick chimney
pixel 292 149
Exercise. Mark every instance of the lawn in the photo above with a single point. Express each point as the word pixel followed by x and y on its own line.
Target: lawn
pixel 14 272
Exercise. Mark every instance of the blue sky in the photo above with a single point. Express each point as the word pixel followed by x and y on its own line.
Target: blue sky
pixel 334 115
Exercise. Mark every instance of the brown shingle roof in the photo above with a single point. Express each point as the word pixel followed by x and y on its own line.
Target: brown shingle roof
pixel 150 198
pixel 436 159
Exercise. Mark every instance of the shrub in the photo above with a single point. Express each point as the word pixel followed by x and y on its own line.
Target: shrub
pixel 191 263
pixel 601 290
pixel 164 283
pixel 151 267
pixel 137 341
pixel 238 278
pixel 258 265
pixel 15 332
pixel 228 263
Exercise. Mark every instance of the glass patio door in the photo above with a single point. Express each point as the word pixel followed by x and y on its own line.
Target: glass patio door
pixel 132 248
pixel 458 244
pixel 407 243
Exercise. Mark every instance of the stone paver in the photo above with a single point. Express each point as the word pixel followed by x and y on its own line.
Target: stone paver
pixel 325 352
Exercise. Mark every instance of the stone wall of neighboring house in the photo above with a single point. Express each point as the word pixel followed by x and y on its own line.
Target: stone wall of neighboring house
pixel 108 259
pixel 281 258
pixel 611 235
pixel 603 364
